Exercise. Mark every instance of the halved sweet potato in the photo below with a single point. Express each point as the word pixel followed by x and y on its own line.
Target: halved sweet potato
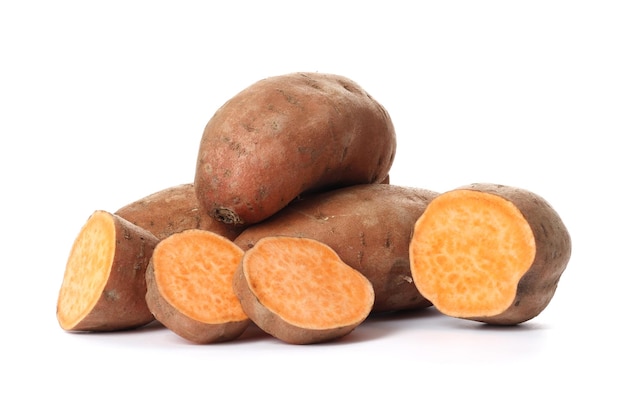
pixel 300 291
pixel 173 210
pixel 490 253
pixel 190 286
pixel 369 226
pixel 104 286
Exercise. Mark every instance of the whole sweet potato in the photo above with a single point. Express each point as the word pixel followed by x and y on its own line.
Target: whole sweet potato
pixel 173 210
pixel 488 252
pixel 288 135
pixel 368 225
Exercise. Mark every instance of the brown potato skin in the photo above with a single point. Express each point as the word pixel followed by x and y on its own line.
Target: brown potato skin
pixel 123 302
pixel 274 325
pixel 368 225
pixel 192 330
pixel 553 251
pixel 173 210
pixel 288 135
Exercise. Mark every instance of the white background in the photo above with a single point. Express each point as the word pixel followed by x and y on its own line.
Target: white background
pixel 102 103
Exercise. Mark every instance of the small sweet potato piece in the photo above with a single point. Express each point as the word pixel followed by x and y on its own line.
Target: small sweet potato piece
pixel 490 253
pixel 300 291
pixel 104 286
pixel 287 135
pixel 369 226
pixel 173 210
pixel 190 286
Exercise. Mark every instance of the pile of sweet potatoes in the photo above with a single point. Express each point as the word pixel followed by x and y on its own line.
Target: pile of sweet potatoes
pixel 291 223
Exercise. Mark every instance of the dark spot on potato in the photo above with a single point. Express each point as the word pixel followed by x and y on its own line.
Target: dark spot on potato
pixel 248 127
pixel 350 88
pixel 290 99
pixel 320 216
pixel 226 215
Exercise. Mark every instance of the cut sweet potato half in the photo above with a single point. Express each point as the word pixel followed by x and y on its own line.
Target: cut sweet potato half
pixel 104 285
pixel 300 291
pixel 190 286
pixel 489 253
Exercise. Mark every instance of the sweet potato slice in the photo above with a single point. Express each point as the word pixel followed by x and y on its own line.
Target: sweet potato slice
pixel 173 210
pixel 490 253
pixel 190 286
pixel 104 285
pixel 300 291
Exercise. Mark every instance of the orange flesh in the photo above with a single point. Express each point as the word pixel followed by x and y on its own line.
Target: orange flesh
pixel 87 270
pixel 469 251
pixel 306 283
pixel 194 272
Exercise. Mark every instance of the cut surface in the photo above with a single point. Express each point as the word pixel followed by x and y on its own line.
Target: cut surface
pixel 469 251
pixel 194 272
pixel 87 270
pixel 306 283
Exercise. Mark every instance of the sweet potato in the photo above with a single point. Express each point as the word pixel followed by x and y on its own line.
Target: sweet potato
pixel 288 135
pixel 369 226
pixel 190 286
pixel 490 253
pixel 300 291
pixel 173 210
pixel 104 286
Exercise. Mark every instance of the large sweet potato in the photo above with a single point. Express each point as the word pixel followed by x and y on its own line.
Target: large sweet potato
pixel 287 135
pixel 490 253
pixel 369 226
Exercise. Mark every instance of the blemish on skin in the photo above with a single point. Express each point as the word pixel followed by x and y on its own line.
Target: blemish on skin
pixel 321 216
pixel 111 295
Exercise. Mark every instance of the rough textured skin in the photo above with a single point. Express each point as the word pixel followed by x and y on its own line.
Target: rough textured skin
pixel 553 250
pixel 369 226
pixel 287 135
pixel 123 304
pixel 184 326
pixel 173 210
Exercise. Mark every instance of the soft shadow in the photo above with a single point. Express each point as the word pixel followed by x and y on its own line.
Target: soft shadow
pixel 381 325
pixel 464 324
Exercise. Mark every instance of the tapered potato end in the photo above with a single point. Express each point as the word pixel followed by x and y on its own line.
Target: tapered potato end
pixel 300 291
pixel 190 286
pixel 489 253
pixel 104 286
